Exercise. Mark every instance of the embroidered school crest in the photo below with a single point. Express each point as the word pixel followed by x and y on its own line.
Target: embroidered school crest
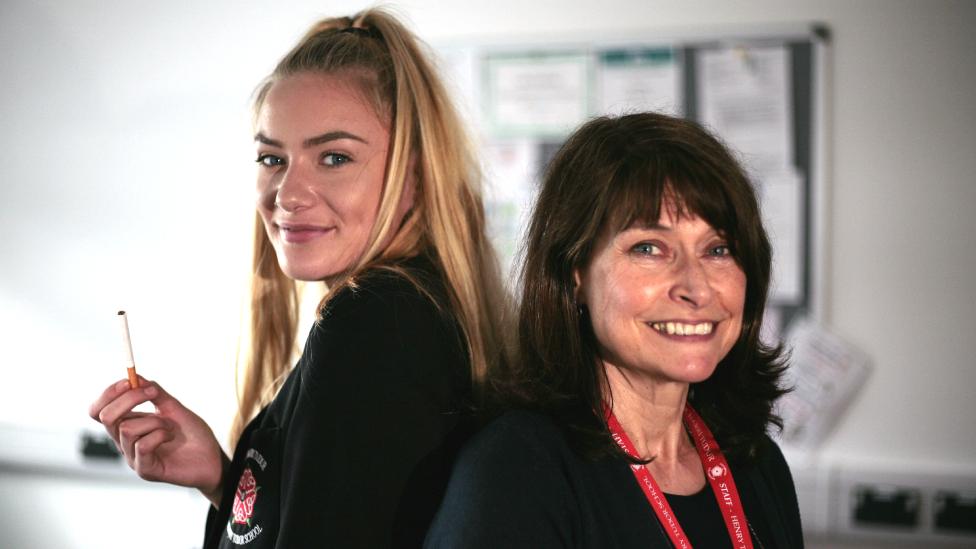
pixel 244 497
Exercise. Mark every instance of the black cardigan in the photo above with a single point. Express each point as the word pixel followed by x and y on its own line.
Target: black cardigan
pixel 356 448
pixel 519 485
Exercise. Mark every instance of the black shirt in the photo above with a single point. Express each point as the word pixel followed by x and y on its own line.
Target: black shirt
pixel 355 449
pixel 700 518
pixel 519 484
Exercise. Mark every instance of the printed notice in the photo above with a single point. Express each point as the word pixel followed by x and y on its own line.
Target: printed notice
pixel 635 80
pixel 540 94
pixel 511 173
pixel 826 373
pixel 744 95
pixel 781 198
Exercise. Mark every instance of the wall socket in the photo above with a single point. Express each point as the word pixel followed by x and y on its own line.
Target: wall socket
pixel 882 506
pixel 902 506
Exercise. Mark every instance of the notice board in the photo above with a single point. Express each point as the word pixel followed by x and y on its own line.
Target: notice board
pixel 761 91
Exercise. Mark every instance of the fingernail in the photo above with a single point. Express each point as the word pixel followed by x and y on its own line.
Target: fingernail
pixel 150 391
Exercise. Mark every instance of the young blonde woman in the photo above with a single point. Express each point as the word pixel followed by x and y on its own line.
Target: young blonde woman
pixel 364 182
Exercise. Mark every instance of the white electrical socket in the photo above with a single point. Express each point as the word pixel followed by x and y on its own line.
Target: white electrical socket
pixel 918 493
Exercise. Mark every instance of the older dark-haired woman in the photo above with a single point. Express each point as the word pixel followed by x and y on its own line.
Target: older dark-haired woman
pixel 642 393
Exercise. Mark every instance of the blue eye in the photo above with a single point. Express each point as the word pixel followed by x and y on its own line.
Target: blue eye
pixel 335 159
pixel 646 248
pixel 270 160
pixel 721 250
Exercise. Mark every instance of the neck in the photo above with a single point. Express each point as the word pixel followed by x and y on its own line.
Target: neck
pixel 650 411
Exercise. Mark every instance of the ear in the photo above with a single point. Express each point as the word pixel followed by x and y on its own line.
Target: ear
pixel 578 287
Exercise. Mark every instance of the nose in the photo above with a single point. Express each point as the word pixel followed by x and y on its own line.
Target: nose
pixel 293 191
pixel 691 284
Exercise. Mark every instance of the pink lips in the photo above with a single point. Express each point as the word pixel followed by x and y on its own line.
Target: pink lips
pixel 299 234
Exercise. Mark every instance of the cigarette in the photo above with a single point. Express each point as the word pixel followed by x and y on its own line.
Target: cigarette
pixel 127 343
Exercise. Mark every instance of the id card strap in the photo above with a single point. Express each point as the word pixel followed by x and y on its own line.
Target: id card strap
pixel 719 476
pixel 717 472
pixel 655 497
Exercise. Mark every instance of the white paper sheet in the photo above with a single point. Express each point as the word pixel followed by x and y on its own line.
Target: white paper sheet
pixel 781 197
pixel 744 94
pixel 459 69
pixel 826 373
pixel 511 174
pixel 545 94
pixel 639 80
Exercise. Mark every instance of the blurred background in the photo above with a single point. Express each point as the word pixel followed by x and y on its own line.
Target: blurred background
pixel 127 183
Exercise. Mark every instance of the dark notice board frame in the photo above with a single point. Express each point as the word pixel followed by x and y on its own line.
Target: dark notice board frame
pixel 808 45
pixel 807 62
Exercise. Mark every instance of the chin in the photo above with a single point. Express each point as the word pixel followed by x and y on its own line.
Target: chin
pixel 696 373
pixel 304 272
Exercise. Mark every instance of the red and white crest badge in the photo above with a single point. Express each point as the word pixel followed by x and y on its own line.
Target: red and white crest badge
pixel 244 498
pixel 717 470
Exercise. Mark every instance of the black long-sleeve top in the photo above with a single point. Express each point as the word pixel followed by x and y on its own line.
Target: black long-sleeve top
pixel 356 448
pixel 520 485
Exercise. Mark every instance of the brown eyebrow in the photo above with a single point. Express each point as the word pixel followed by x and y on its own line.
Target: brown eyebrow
pixel 312 141
pixel 640 226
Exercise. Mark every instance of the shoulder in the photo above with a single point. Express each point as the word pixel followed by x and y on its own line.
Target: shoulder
pixel 771 463
pixel 516 439
pixel 773 483
pixel 394 322
pixel 390 303
pixel 390 293
pixel 509 488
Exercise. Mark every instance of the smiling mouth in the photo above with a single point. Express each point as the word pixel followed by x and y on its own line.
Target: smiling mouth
pixel 297 234
pixel 295 227
pixel 682 329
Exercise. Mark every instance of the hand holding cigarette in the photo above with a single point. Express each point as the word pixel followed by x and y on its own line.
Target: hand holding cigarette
pixel 127 343
pixel 170 444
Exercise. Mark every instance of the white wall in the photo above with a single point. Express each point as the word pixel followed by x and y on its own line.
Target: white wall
pixel 126 183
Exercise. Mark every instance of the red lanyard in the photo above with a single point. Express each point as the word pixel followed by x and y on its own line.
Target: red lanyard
pixel 717 472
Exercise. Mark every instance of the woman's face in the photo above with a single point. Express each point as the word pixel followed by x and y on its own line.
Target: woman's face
pixel 321 153
pixel 665 301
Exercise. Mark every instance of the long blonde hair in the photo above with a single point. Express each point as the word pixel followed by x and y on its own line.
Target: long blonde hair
pixel 447 221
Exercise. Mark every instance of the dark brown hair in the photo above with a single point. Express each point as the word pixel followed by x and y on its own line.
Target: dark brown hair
pixel 611 173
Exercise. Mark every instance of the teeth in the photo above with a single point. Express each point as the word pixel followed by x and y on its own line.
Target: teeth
pixel 681 329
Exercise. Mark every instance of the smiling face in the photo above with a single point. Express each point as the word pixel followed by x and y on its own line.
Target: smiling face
pixel 322 154
pixel 665 301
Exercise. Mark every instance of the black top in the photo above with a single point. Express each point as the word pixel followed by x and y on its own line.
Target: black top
pixel 356 448
pixel 519 484
pixel 700 518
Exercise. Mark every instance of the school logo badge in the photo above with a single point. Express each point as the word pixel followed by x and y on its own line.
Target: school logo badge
pixel 716 471
pixel 244 498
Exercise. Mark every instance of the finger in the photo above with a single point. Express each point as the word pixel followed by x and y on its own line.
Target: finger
pixel 163 401
pixel 109 394
pixel 144 453
pixel 121 407
pixel 131 430
pixel 116 438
